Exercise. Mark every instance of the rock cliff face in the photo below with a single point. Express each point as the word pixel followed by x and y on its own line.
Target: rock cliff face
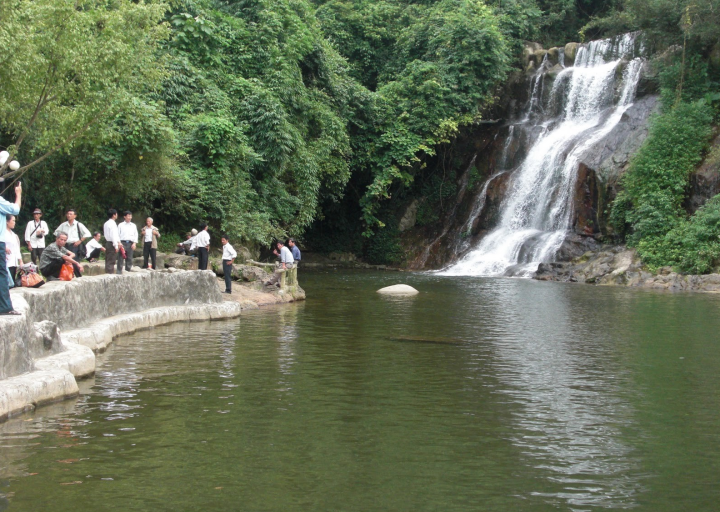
pixel 528 109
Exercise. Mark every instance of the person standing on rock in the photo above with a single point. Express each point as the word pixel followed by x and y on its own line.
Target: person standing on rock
pixel 13 258
pixel 35 235
pixel 7 208
pixel 128 238
pixel 112 241
pixel 202 244
pixel 228 258
pixel 76 235
pixel 295 250
pixel 150 235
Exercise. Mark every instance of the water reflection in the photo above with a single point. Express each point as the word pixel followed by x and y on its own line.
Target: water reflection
pixel 571 412
pixel 489 394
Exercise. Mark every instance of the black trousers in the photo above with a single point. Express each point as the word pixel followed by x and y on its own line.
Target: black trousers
pixel 202 258
pixel 152 253
pixel 95 254
pixel 127 261
pixel 36 253
pixel 227 272
pixel 74 250
pixel 52 269
pixel 111 257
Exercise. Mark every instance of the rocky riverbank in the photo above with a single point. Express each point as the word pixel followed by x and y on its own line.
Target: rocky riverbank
pixel 621 266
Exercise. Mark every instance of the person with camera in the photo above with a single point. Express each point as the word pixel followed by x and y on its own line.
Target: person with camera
pixel 7 208
pixel 35 235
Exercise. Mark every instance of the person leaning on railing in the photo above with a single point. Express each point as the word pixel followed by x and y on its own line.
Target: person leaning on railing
pixel 7 208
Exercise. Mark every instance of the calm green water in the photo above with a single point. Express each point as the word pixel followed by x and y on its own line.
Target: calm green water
pixel 476 395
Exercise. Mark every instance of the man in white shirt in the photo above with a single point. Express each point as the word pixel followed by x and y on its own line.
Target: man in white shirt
pixel 128 238
pixel 112 241
pixel 76 235
pixel 228 257
pixel 94 248
pixel 35 235
pixel 202 244
pixel 286 262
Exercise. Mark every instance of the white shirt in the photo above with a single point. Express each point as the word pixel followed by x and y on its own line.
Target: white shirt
pixel 149 232
pixel 31 234
pixel 286 256
pixel 72 231
pixel 128 232
pixel 229 252
pixel 12 242
pixel 202 239
pixel 110 231
pixel 92 245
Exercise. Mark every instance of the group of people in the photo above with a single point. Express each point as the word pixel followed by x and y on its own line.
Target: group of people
pixel 74 243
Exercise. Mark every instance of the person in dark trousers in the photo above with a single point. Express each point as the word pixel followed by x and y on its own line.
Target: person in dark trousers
pixel 112 241
pixel 295 250
pixel 149 234
pixel 228 258
pixel 202 244
pixel 94 248
pixel 7 208
pixel 35 233
pixel 55 256
pixel 128 238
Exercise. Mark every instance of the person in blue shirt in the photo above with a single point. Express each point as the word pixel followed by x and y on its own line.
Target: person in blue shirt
pixel 295 251
pixel 7 208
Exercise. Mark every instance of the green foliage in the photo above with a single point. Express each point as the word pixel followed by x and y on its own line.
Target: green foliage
pixel 654 187
pixel 68 66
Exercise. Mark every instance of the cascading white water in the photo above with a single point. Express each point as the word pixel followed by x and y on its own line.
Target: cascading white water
pixel 537 212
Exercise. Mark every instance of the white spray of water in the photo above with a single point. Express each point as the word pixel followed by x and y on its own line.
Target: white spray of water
pixel 537 212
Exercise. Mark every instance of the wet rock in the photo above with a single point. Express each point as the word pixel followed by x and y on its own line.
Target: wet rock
pixel 570 53
pixel 529 50
pixel 575 246
pixel 398 289
pixel 553 55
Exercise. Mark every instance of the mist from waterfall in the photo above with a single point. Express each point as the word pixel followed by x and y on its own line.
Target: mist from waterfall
pixel 586 102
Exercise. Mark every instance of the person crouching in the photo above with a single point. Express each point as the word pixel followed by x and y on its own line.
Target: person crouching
pixel 55 256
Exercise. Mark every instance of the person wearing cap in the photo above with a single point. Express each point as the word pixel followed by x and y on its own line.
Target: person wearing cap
pixel 35 233
pixel 7 208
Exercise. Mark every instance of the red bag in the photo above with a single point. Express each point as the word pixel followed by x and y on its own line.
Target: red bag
pixel 66 272
pixel 123 254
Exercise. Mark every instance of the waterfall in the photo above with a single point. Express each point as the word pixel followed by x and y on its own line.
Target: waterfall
pixel 536 213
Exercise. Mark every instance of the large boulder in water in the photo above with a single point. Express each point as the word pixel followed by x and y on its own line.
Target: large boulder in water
pixel 398 289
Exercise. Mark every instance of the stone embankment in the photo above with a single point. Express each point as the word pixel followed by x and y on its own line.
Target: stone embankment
pixel 620 266
pixel 44 351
